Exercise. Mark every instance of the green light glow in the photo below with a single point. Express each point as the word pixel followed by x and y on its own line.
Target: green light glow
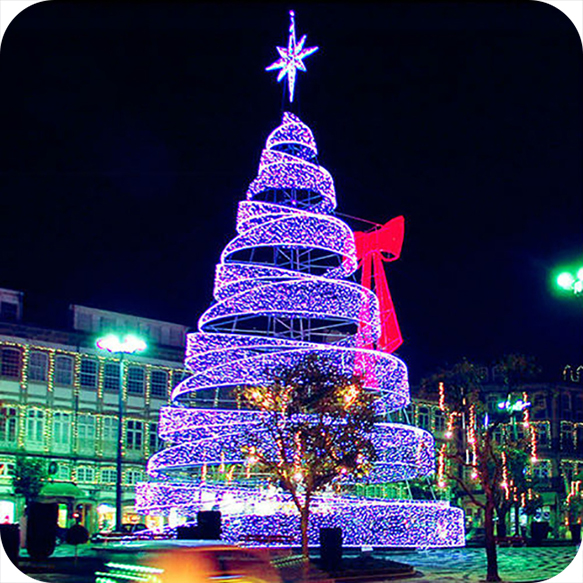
pixel 129 345
pixel 137 568
pixel 580 274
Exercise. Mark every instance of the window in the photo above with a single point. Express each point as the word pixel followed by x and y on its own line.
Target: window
pixel 108 476
pixel 156 444
pixel 10 366
pixel 540 406
pixel 177 377
pixel 439 421
pixel 61 429
pixel 133 476
pixel 578 407
pixel 85 474
pixel 35 425
pixel 483 373
pixel 8 425
pixel 492 403
pixel 134 435
pixel 6 469
pixel 542 434
pixel 542 469
pixel 63 472
pixel 498 374
pixel 38 366
pixel 579 438
pixel 86 432
pixel 84 321
pixel 111 376
pixel 566 402
pixel 566 437
pixel 159 384
pixel 518 433
pixel 409 412
pixel 136 379
pixel 8 311
pixel 109 433
pixel 63 370
pixel 155 333
pixel 566 406
pixel 176 337
pixel 423 417
pixel 88 376
pixel 107 324
pixel 567 469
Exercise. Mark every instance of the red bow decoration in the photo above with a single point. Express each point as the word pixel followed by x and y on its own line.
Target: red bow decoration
pixel 372 248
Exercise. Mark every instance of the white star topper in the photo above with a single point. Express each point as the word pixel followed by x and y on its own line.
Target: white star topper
pixel 290 59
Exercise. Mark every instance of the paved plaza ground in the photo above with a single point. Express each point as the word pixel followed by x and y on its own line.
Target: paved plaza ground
pixel 516 565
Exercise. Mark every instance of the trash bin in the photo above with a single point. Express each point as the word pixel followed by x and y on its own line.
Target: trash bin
pixel 41 536
pixel 10 536
pixel 575 533
pixel 209 524
pixel 331 548
pixel 539 531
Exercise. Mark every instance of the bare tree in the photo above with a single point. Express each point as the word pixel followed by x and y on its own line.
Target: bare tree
pixel 316 430
pixel 472 458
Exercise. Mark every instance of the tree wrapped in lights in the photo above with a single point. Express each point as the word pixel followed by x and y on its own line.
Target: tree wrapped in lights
pixel 316 431
pixel 471 458
pixel 285 293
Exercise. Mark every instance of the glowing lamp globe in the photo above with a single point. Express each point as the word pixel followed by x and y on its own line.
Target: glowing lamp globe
pixel 565 280
pixel 129 345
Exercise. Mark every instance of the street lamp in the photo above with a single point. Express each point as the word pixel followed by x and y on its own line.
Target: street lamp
pixel 571 282
pixel 129 345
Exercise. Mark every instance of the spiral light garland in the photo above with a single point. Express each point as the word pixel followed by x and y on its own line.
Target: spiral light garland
pixel 281 294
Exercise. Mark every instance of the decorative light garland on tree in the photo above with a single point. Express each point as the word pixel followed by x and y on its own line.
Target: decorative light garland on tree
pixel 441 396
pixel 505 481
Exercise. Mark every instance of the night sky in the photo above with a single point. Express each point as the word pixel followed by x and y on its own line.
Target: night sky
pixel 129 132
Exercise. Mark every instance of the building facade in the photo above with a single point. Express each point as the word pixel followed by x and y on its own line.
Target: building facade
pixel 59 402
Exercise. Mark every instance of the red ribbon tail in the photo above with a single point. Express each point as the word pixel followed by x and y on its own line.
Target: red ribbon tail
pixel 391 337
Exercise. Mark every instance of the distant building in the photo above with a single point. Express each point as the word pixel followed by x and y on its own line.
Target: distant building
pixel 557 414
pixel 59 402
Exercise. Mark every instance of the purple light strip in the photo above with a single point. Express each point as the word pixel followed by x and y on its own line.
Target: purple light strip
pixel 376 522
pixel 221 367
pixel 292 131
pixel 214 437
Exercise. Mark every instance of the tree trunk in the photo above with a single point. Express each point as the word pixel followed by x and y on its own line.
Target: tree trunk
pixel 492 559
pixel 501 530
pixel 305 517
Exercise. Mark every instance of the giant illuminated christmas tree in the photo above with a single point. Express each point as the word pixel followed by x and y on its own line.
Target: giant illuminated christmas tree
pixel 283 290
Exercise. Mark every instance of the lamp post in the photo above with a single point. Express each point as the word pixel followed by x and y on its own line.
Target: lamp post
pixel 130 345
pixel 571 282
